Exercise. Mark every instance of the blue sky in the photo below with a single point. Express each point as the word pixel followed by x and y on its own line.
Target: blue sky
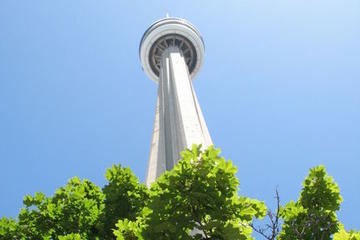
pixel 279 89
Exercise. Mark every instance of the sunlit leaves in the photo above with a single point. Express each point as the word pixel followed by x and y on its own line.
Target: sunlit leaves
pixel 74 208
pixel 320 192
pixel 313 216
pixel 72 236
pixel 197 199
pixel 125 197
pixel 344 235
pixel 9 229
pixel 128 230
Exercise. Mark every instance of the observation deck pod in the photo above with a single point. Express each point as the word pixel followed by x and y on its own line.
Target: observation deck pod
pixel 171 32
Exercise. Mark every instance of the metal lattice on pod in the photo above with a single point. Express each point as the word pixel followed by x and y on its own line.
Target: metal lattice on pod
pixel 171 32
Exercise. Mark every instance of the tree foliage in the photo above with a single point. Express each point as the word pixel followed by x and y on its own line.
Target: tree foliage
pixel 79 210
pixel 313 216
pixel 344 235
pixel 196 200
pixel 9 229
pixel 125 197
pixel 72 236
pixel 74 208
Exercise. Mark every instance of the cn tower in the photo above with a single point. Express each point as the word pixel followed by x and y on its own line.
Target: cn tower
pixel 171 54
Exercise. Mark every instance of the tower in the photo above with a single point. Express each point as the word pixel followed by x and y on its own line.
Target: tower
pixel 171 54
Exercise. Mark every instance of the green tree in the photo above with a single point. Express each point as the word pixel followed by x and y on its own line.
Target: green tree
pixel 9 229
pixel 72 236
pixel 75 208
pixel 343 235
pixel 313 216
pixel 125 197
pixel 129 230
pixel 196 200
pixel 79 210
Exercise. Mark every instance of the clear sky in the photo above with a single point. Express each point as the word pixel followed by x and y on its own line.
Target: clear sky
pixel 280 91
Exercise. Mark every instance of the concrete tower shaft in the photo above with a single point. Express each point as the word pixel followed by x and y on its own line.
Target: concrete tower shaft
pixel 172 59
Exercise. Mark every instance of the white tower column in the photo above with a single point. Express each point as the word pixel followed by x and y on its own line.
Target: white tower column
pixel 178 119
pixel 171 52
